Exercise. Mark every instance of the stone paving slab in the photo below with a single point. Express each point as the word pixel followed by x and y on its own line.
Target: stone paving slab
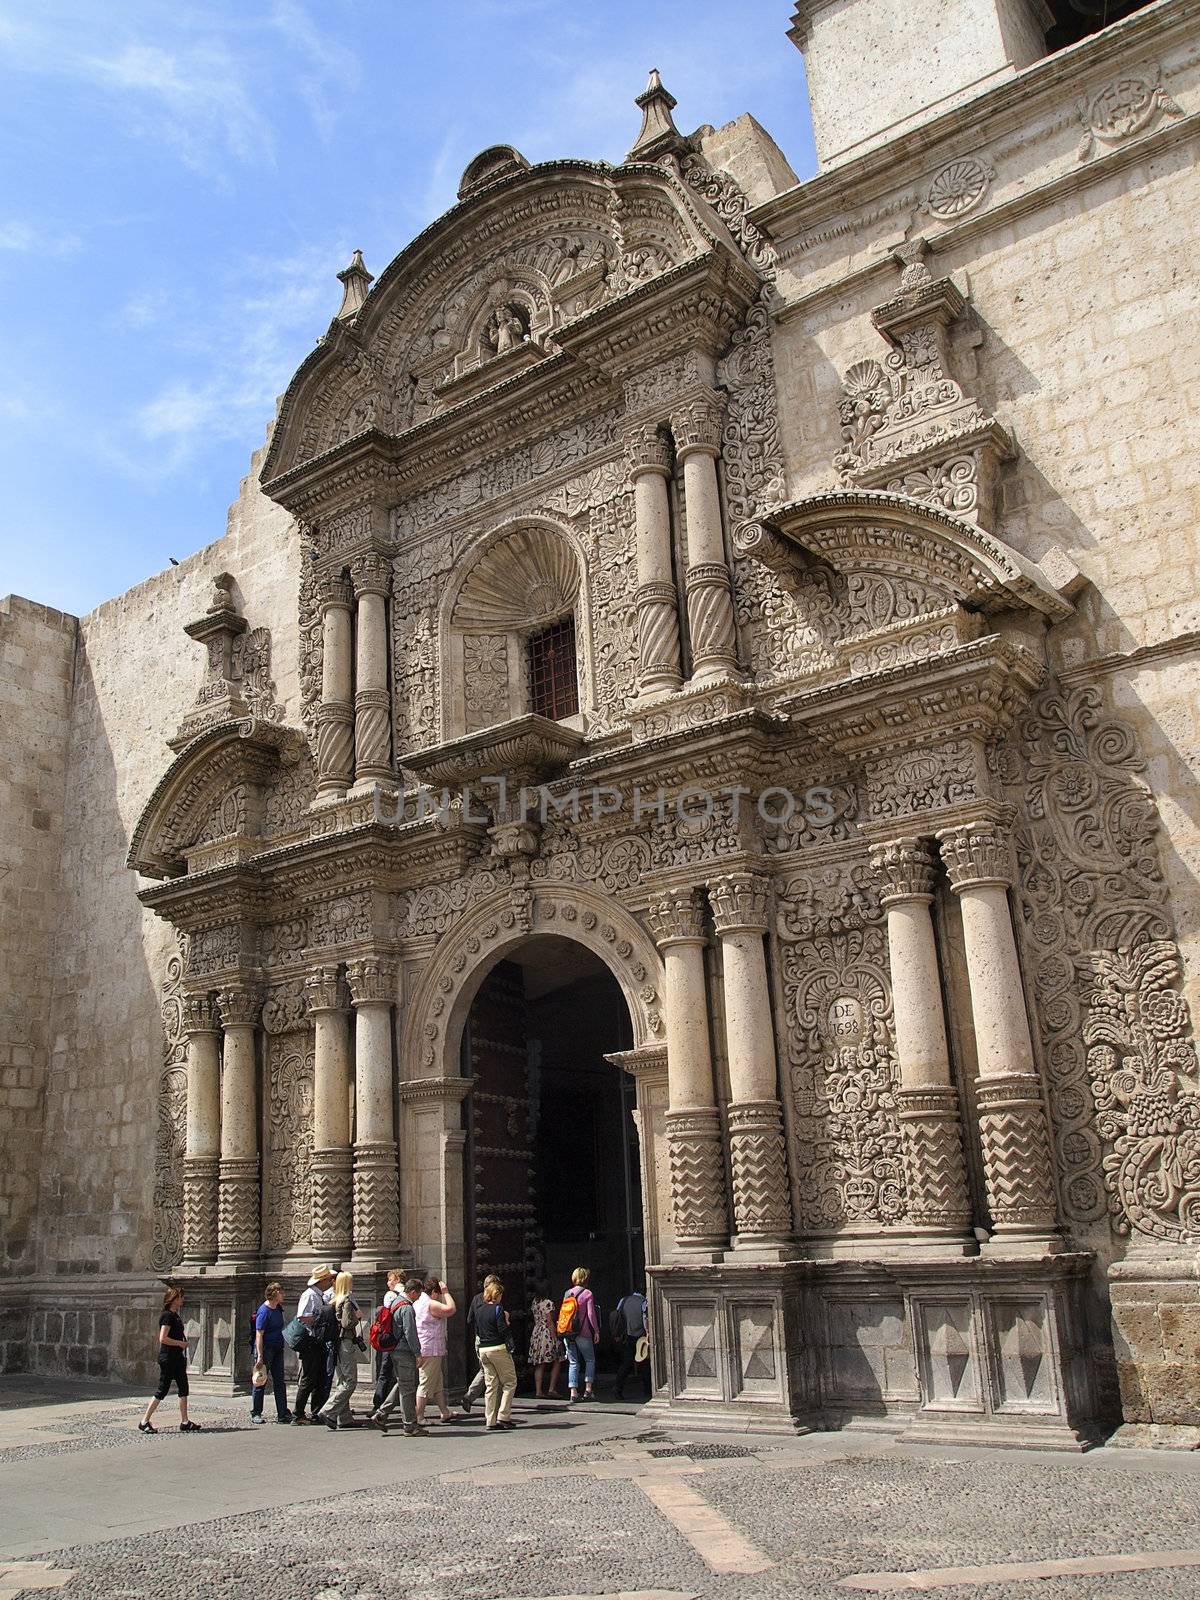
pixel 1008 1571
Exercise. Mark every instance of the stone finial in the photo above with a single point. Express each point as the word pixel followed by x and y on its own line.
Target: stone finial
pixel 355 281
pixel 658 134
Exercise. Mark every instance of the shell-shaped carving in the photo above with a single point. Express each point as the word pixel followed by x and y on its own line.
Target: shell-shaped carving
pixel 862 377
pixel 527 577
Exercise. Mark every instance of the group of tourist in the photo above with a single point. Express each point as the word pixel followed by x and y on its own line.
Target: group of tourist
pixel 409 1334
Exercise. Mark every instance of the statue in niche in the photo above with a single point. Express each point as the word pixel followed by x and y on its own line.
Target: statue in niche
pixel 504 329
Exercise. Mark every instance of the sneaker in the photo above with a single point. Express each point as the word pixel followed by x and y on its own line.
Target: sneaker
pixel 257 1420
pixel 299 1420
pixel 375 1421
pixel 286 1417
pixel 416 1431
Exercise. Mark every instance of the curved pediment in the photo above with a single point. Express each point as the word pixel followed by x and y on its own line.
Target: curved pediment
pixel 482 293
pixel 211 793
pixel 893 536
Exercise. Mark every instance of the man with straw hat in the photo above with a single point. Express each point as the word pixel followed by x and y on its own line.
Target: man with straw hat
pixel 314 1379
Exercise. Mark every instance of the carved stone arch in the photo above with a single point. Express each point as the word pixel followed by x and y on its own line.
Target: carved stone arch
pixel 493 165
pixel 523 575
pixel 211 791
pixel 438 1011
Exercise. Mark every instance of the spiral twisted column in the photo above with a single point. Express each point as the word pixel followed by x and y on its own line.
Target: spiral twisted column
pixel 202 1151
pixel 648 461
pixel 371 574
pixel 328 1010
pixel 335 715
pixel 693 1124
pixel 373 988
pixel 697 429
pixel 930 1128
pixel 1013 1131
pixel 762 1210
pixel 238 1216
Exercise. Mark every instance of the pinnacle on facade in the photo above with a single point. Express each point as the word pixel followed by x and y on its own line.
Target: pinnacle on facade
pixel 355 281
pixel 658 133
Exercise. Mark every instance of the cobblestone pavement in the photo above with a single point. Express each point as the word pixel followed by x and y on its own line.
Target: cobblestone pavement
pixel 570 1507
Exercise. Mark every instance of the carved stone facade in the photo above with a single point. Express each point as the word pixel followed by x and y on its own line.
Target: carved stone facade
pixel 667 560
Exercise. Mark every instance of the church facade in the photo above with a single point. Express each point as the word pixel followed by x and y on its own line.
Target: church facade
pixel 683 760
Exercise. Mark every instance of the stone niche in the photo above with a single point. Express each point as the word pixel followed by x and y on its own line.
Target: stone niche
pixel 984 1351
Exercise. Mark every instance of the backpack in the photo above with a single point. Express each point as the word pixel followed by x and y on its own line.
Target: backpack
pixel 568 1314
pixel 384 1335
pixel 617 1330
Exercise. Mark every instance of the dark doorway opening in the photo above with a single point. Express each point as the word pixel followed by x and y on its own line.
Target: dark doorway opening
pixel 551 1170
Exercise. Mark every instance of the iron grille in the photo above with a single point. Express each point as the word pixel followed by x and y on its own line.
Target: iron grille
pixel 553 681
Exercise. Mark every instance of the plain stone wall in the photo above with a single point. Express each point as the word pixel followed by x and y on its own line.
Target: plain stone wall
pixel 136 676
pixel 37 655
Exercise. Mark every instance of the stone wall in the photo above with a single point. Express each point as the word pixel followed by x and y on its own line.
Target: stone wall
pixel 37 658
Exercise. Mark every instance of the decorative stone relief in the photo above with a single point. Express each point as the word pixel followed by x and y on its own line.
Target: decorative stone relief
pixel 957 188
pixel 842 1070
pixel 485 679
pixel 1127 105
pixel 171 1136
pixel 287 1157
pixel 1099 948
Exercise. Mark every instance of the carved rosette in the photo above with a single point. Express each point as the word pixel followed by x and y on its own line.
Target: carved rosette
pixel 238 1208
pixel 335 746
pixel 658 630
pixel 331 1202
pixel 1016 1154
pixel 371 573
pixel 758 1169
pixel 698 1200
pixel 976 856
pixel 372 981
pixel 372 734
pixel 739 903
pixel 676 917
pixel 934 1169
pixel 376 1201
pixel 710 614
pixel 905 869
pixel 200 1175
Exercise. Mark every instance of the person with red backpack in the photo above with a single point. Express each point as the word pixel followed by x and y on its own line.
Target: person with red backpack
pixel 385 1376
pixel 395 1329
pixel 579 1325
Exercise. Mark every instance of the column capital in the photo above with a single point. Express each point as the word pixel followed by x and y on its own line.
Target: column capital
pixel 976 856
pixel 334 589
pixel 198 1014
pixel 739 903
pixel 676 917
pixel 323 991
pixel 647 449
pixel 371 573
pixel 696 424
pixel 906 869
pixel 239 1006
pixel 372 980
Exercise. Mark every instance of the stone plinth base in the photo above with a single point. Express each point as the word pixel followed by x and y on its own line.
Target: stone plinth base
pixel 969 1350
pixel 1156 1333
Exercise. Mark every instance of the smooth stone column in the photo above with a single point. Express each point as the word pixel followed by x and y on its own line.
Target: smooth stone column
pixel 697 429
pixel 331 1159
pixel 935 1172
pixel 371 575
pixel 202 1152
pixel 648 457
pixel 335 715
pixel 376 1181
pixel 698 1192
pixel 238 1221
pixel 762 1210
pixel 1013 1130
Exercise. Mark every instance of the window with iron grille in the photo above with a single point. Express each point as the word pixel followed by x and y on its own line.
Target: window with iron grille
pixel 553 681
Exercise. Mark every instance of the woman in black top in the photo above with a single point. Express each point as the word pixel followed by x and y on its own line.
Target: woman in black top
pixel 172 1363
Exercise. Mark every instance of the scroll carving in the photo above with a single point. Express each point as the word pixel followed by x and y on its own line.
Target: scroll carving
pixel 171 1135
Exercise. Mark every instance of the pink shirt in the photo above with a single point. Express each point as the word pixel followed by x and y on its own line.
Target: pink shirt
pixel 431 1329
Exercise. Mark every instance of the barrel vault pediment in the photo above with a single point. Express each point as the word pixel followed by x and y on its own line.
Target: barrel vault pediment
pixel 481 295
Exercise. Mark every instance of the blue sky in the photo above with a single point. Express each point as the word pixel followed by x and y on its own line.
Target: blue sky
pixel 179 185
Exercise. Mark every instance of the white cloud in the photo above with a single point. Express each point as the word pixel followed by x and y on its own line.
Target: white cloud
pixel 24 238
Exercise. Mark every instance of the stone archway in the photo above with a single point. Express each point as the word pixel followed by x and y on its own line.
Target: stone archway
pixel 432 1089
